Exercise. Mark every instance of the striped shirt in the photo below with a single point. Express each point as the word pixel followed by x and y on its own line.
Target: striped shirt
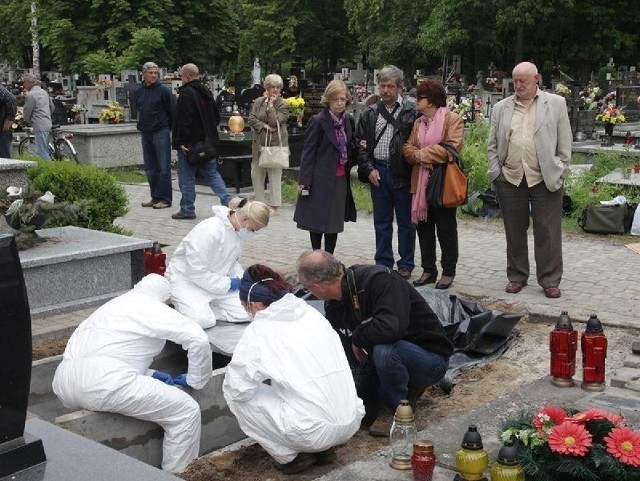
pixel 10 104
pixel 381 151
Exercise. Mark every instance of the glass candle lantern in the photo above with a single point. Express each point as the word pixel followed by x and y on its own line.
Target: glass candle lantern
pixel 236 123
pixel 507 467
pixel 402 436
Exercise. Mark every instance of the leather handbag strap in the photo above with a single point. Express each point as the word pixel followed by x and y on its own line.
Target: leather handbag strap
pixel 457 158
pixel 269 134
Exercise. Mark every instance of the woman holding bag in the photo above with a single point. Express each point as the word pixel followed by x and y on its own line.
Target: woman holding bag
pixel 268 112
pixel 325 201
pixel 436 124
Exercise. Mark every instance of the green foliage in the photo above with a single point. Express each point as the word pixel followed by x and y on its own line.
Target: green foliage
pixel 71 183
pixel 146 43
pixel 361 195
pixel 475 156
pixel 584 190
pixel 99 62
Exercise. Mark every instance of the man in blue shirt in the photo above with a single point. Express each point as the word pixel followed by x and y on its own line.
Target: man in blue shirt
pixel 155 105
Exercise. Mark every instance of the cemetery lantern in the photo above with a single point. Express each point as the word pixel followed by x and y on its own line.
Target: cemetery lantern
pixel 236 123
pixel 593 343
pixel 154 260
pixel 471 458
pixel 402 436
pixel 563 344
pixel 507 467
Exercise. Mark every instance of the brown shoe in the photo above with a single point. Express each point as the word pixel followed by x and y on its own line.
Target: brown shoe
pixel 513 287
pixel 404 273
pixel 552 292
pixel 161 205
pixel 382 425
pixel 149 203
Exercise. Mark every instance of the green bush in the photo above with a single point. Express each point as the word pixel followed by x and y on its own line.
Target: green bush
pixel 474 153
pixel 71 183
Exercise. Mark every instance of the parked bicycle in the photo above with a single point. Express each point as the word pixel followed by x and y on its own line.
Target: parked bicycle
pixel 60 146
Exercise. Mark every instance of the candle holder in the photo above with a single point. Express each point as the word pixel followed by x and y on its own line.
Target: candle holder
pixel 471 458
pixel 402 436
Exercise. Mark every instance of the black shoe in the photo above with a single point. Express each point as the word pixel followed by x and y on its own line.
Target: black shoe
pixel 444 282
pixel 301 462
pixel 404 273
pixel 413 394
pixel 180 215
pixel 325 457
pixel 426 278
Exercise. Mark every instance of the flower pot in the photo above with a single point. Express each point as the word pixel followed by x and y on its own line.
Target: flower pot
pixel 608 129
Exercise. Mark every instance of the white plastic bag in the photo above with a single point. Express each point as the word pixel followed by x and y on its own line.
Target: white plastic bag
pixel 635 225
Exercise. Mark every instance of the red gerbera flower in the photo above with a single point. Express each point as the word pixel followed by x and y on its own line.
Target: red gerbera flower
pixel 570 438
pixel 549 416
pixel 591 414
pixel 624 444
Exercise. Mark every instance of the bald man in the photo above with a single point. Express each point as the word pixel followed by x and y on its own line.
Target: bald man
pixel 529 152
pixel 195 121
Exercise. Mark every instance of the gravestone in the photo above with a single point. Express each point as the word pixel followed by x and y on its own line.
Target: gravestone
pixel 312 103
pixel 127 94
pixel 627 97
pixel 18 450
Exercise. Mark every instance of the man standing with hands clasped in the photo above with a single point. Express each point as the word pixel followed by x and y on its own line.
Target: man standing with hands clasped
pixel 37 112
pixel 529 152
pixel 155 105
pixel 382 130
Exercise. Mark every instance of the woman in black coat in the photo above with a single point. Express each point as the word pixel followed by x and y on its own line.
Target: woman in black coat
pixel 325 201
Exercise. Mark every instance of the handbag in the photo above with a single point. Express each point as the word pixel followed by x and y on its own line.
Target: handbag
pixel 201 152
pixel 275 156
pixel 606 219
pixel 448 183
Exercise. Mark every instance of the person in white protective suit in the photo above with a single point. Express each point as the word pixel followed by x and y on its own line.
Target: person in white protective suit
pixel 105 367
pixel 309 404
pixel 205 270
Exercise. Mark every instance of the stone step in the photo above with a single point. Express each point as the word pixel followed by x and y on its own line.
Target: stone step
pixel 635 347
pixel 632 361
pixel 626 378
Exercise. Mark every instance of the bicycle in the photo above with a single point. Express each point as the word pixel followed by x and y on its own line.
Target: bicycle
pixel 60 147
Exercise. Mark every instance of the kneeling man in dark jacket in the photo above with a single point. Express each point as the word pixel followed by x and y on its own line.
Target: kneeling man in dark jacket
pixel 385 321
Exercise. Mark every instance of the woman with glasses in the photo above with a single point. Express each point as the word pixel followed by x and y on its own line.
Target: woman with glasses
pixel 436 124
pixel 309 403
pixel 267 113
pixel 205 271
pixel 325 201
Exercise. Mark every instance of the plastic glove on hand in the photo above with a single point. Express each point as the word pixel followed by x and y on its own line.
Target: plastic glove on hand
pixel 181 380
pixel 235 283
pixel 164 377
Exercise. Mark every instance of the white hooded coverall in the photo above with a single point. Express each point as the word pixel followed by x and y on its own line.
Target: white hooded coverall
pixel 311 404
pixel 105 367
pixel 201 269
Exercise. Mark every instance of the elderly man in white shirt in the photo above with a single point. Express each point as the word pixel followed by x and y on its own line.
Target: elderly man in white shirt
pixel 38 108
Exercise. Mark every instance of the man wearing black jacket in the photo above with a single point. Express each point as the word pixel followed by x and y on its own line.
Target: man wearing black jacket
pixel 382 320
pixel 195 120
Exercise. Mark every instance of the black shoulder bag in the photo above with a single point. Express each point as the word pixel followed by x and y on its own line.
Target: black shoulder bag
pixel 203 150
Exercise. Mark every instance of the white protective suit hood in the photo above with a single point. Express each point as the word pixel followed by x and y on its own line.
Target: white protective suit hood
pixel 154 286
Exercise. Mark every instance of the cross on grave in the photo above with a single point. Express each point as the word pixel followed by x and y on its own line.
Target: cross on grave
pixel 130 88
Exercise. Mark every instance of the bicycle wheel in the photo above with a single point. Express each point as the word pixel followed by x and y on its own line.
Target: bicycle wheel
pixel 65 151
pixel 27 146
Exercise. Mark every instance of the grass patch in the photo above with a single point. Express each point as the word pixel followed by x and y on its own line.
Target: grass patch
pixel 129 175
pixel 361 195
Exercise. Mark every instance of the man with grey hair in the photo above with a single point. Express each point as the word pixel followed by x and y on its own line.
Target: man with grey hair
pixel 37 112
pixel 8 109
pixel 529 151
pixel 382 130
pixel 155 105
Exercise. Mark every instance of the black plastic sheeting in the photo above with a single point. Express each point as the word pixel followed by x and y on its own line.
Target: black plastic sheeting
pixel 478 334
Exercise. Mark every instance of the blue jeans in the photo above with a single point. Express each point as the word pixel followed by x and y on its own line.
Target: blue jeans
pixel 156 153
pixel 187 183
pixel 403 364
pixel 42 144
pixel 387 200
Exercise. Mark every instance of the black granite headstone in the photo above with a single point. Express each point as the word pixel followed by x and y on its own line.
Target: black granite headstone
pixel 16 451
pixel 129 89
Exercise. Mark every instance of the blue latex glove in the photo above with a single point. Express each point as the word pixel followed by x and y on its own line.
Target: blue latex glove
pixel 164 377
pixel 181 380
pixel 235 283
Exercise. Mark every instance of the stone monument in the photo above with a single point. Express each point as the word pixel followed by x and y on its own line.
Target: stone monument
pixel 256 73
pixel 18 450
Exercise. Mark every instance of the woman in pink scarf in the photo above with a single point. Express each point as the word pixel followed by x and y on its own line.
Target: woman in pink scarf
pixel 435 125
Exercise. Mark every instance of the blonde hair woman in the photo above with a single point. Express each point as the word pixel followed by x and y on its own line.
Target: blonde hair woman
pixel 204 271
pixel 266 113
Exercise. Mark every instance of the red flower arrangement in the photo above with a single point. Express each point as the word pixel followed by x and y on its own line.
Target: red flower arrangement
pixel 569 445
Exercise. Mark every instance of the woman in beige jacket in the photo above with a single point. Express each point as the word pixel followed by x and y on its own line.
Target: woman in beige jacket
pixel 267 112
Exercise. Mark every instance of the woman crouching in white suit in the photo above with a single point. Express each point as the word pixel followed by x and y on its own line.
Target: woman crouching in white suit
pixel 205 270
pixel 310 404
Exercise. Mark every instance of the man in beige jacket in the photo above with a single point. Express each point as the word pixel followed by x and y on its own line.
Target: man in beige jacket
pixel 529 152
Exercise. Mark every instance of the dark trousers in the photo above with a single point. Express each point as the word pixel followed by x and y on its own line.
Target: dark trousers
pixel 546 214
pixel 5 144
pixel 443 220
pixel 156 154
